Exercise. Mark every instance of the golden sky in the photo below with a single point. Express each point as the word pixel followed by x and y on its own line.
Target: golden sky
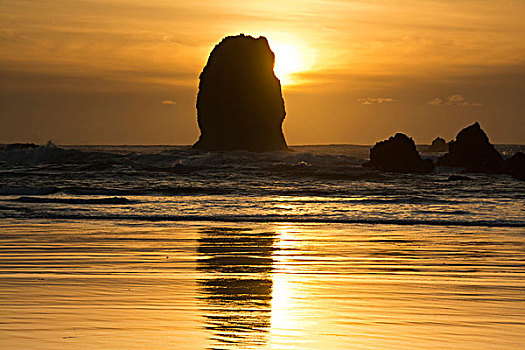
pixel 118 72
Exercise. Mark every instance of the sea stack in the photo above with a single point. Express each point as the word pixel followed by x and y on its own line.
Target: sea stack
pixel 239 103
pixel 438 145
pixel 473 151
pixel 398 154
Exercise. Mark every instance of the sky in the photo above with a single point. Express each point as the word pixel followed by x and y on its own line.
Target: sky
pixel 353 72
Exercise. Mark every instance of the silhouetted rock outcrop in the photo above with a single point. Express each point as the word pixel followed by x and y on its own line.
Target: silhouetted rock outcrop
pixel 473 151
pixel 239 104
pixel 438 145
pixel 515 166
pixel 398 154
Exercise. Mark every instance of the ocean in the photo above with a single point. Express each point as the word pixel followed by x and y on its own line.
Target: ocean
pixel 166 247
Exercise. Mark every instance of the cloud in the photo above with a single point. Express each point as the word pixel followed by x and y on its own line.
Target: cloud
pixel 453 100
pixel 169 102
pixel 376 100
pixel 435 102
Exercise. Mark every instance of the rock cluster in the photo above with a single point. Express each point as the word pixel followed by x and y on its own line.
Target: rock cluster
pixel 398 154
pixel 471 150
pixel 239 103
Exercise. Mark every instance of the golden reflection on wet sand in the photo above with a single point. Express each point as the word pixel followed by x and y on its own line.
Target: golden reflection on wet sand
pixel 384 288
pixel 263 286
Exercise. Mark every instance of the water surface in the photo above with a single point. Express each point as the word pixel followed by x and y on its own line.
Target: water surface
pixel 142 285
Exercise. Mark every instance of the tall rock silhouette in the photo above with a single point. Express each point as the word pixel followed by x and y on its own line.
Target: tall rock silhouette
pixel 240 104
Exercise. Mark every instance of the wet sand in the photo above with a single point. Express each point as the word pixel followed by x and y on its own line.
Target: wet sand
pixel 103 285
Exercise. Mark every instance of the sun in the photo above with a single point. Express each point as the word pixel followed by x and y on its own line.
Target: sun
pixel 287 59
pixel 290 59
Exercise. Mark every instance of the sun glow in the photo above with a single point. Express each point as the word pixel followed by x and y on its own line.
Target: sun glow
pixel 290 59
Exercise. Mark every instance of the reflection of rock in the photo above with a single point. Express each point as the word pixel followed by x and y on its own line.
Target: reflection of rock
pixel 472 150
pixel 239 104
pixel 515 166
pixel 398 154
pixel 237 289
pixel 438 145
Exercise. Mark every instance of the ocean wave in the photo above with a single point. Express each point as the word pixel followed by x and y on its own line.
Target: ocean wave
pixel 182 160
pixel 179 180
pixel 299 219
pixel 7 190
pixel 306 194
pixel 101 191
pixel 110 200
pixel 152 191
pixel 50 153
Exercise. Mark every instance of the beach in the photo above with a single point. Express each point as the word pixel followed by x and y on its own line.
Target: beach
pixel 104 285
pixel 131 247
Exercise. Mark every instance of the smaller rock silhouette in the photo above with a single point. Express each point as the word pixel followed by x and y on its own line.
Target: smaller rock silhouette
pixel 515 166
pixel 473 151
pixel 438 145
pixel 398 154
pixel 240 104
